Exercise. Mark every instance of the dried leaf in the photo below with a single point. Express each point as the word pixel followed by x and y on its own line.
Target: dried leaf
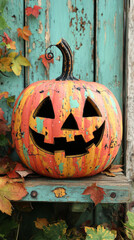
pixel 108 174
pixel 116 168
pixel 24 33
pixel 97 193
pixel 10 190
pixel 40 222
pixel 18 171
pixel 6 164
pixel 46 61
pixel 33 11
pixel 112 169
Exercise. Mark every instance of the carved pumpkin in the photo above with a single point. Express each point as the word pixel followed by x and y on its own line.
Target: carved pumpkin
pixel 66 127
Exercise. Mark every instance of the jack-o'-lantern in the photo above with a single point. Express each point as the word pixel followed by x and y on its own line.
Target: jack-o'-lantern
pixel 66 127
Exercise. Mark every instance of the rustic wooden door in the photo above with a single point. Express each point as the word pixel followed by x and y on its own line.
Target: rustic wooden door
pixel 95 31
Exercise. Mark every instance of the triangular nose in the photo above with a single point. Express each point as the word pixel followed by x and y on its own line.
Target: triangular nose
pixel 70 123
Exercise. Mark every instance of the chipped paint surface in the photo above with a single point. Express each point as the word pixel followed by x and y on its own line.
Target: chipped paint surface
pixel 40 27
pixel 59 192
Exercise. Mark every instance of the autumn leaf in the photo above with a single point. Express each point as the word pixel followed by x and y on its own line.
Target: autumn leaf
pixel 6 39
pixel 3 127
pixel 10 190
pixel 99 233
pixel 41 222
pixel 33 11
pixel 6 164
pixel 112 169
pixel 17 63
pixel 18 171
pixel 5 64
pixel 97 193
pixel 24 33
pixel 45 61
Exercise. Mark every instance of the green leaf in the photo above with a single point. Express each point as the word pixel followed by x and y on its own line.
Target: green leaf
pixel 99 234
pixel 3 23
pixel 3 141
pixel 2 5
pixel 55 231
pixel 10 100
pixel 130 219
pixel 2 237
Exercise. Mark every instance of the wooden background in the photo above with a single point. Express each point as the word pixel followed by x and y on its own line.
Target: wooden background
pixel 95 31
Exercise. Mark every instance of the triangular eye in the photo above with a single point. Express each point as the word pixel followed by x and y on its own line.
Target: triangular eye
pixel 90 109
pixel 45 109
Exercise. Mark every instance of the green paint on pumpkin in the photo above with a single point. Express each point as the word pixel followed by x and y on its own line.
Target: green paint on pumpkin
pixel 25 151
pixel 73 103
pixel 39 124
pixel 96 168
pixel 48 94
pixel 113 104
pixel 108 161
pixel 61 165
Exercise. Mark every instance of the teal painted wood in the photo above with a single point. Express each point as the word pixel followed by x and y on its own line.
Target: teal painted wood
pixel 117 189
pixel 109 46
pixel 109 50
pixel 13 13
pixel 61 19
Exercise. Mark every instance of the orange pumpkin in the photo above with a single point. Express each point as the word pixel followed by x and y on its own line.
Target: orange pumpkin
pixel 66 127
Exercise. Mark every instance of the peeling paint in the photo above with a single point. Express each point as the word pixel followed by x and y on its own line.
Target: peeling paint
pixel 33 45
pixel 40 27
pixel 39 3
pixel 47 27
pixel 70 5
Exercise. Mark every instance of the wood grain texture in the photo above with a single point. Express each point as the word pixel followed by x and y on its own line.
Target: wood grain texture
pixel 61 19
pixel 116 189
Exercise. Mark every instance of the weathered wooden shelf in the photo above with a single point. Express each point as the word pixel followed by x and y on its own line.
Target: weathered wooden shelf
pixel 44 189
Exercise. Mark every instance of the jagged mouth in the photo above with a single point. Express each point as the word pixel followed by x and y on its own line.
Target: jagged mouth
pixel 74 148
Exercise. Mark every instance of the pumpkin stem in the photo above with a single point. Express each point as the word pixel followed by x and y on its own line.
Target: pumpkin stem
pixel 67 67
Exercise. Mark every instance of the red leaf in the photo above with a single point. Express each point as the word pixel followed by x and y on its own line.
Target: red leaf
pixel 2 115
pixel 18 171
pixel 6 39
pixel 33 11
pixel 97 193
pixel 46 61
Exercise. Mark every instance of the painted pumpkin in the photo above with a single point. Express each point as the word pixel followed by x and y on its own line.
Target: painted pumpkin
pixel 66 127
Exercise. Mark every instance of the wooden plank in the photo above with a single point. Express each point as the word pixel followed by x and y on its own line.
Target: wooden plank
pixel 109 49
pixel 61 19
pixel 53 190
pixel 13 84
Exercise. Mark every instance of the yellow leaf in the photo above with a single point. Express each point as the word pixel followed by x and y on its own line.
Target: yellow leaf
pixel 17 63
pixel 23 61
pixel 5 64
pixel 41 222
pixel 12 54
